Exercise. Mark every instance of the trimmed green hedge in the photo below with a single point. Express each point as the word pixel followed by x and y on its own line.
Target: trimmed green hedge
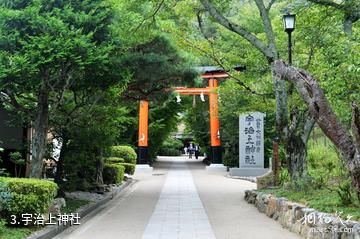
pixel 114 160
pixel 113 173
pixel 172 143
pixel 125 152
pixel 171 147
pixel 169 152
pixel 129 168
pixel 24 195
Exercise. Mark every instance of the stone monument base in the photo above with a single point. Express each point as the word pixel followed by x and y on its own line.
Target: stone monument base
pixel 248 172
pixel 143 168
pixel 216 167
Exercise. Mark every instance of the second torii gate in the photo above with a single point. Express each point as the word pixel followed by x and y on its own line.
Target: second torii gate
pixel 212 75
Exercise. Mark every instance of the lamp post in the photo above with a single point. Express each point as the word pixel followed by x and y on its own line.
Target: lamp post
pixel 276 164
pixel 289 27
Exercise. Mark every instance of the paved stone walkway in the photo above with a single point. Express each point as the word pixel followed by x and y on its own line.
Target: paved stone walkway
pixel 180 199
pixel 179 212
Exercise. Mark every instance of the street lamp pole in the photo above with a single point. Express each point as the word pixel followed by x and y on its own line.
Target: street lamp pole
pixel 289 48
pixel 289 27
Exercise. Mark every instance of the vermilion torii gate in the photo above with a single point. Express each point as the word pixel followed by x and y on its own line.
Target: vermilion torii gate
pixel 212 75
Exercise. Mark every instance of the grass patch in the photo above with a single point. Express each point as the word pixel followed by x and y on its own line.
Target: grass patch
pixel 322 200
pixel 14 232
pixel 72 205
pixel 327 187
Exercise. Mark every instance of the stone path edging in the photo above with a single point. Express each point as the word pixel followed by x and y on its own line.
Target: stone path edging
pixel 250 179
pixel 51 231
pixel 307 222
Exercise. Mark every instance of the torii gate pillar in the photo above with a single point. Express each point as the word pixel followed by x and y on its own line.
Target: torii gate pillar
pixel 143 132
pixel 216 150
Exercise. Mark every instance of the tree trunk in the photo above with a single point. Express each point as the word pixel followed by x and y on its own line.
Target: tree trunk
pixel 296 153
pixel 322 112
pixel 355 126
pixel 39 139
pixel 296 145
pixel 281 105
pixel 297 148
pixel 15 168
pixel 99 170
pixel 348 27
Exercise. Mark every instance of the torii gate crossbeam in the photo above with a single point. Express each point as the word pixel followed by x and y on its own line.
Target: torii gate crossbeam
pixel 212 92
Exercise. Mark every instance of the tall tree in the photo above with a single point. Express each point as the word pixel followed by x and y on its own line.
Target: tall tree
pixel 87 128
pixel 349 8
pixel 296 147
pixel 319 107
pixel 46 48
pixel 155 67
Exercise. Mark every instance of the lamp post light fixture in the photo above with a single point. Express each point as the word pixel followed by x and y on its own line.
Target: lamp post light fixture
pixel 289 27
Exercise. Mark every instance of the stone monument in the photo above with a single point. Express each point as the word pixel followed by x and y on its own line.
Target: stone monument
pixel 251 145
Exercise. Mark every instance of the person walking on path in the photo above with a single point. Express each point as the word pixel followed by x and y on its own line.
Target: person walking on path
pixel 191 150
pixel 185 150
pixel 197 151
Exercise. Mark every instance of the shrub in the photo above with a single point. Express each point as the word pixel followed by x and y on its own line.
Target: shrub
pixel 77 183
pixel 169 152
pixel 2 227
pixel 344 192
pixel 173 143
pixel 17 159
pixel 229 160
pixel 326 169
pixel 114 160
pixel 125 152
pixel 171 147
pixel 129 168
pixel 80 169
pixel 13 233
pixel 32 196
pixel 323 157
pixel 113 173
pixel 5 196
pixel 284 176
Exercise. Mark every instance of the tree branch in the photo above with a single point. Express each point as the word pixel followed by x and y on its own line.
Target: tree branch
pixel 270 5
pixel 200 23
pixel 310 56
pixel 219 63
pixel 319 108
pixel 11 98
pixel 308 127
pixel 256 42
pixel 152 16
pixel 267 26
pixel 351 10
pixel 322 112
pixel 328 3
